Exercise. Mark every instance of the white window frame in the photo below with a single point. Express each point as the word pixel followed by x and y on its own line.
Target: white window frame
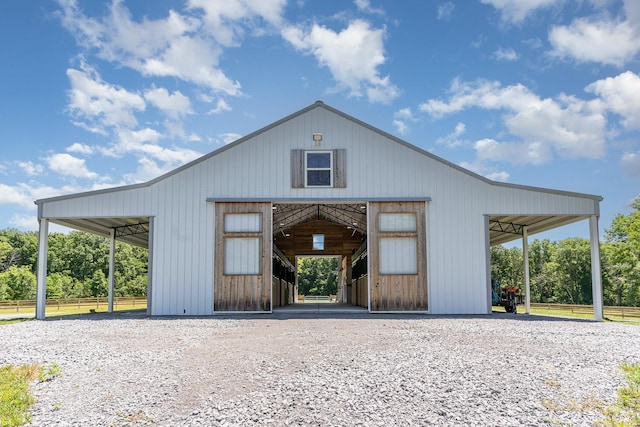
pixel 307 168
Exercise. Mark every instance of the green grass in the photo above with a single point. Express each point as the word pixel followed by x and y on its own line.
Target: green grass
pixel 626 411
pixel 576 314
pixel 62 310
pixel 15 398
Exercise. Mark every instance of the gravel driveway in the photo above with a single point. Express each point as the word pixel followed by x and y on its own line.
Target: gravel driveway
pixel 380 370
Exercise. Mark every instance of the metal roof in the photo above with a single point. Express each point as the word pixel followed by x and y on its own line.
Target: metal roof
pixel 131 230
pixel 505 228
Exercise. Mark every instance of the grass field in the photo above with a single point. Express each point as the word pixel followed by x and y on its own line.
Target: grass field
pixel 81 307
pixel 562 311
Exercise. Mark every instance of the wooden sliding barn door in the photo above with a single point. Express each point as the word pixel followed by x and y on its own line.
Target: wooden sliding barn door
pixel 398 263
pixel 243 257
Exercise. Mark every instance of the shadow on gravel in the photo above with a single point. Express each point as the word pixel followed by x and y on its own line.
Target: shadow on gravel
pixel 141 314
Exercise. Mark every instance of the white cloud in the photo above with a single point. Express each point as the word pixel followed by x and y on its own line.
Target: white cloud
pixel 515 11
pixel 452 140
pixel 401 120
pixel 30 169
pixel 365 6
pixel 352 56
pixel 604 41
pixel 620 95
pixel 173 105
pixel 630 164
pixel 14 196
pixel 506 54
pixel 175 46
pixel 76 147
pixel 66 164
pixel 228 138
pixel 518 153
pixel 569 126
pixel 488 172
pixel 221 107
pixel 25 222
pixel 100 104
pixel 157 161
pixel 445 11
pixel 226 20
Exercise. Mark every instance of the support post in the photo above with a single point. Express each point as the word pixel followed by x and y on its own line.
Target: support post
pixel 112 257
pixel 596 273
pixel 43 249
pixel 527 281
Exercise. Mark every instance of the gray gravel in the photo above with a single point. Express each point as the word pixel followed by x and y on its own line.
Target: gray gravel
pixel 500 370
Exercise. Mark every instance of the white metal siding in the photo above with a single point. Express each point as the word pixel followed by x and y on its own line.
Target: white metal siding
pixel 376 168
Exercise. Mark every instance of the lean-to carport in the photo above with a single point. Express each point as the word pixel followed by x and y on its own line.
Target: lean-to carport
pixel 506 228
pixel 131 230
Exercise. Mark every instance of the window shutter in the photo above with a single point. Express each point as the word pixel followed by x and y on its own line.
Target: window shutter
pixel 297 168
pixel 340 168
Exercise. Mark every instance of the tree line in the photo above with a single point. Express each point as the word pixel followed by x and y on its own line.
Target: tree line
pixel 560 272
pixel 77 266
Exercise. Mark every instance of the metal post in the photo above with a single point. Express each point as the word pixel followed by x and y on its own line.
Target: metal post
pixel 596 274
pixel 112 253
pixel 527 281
pixel 43 249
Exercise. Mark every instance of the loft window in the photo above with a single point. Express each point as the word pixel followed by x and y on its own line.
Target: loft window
pixel 318 242
pixel 319 168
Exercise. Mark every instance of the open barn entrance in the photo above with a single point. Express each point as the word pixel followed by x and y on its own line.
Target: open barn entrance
pixel 318 278
pixel 308 234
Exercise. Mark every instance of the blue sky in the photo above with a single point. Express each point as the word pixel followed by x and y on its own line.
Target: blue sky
pixel 95 94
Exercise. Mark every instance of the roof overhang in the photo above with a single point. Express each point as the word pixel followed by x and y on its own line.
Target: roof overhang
pixel 132 230
pixel 505 228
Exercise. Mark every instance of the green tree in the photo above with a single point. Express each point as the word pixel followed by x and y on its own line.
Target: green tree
pixel 8 255
pixel 55 285
pixel 621 258
pixel 25 245
pixel 317 276
pixel 541 271
pixel 572 271
pixel 99 284
pixel 20 282
pixel 507 266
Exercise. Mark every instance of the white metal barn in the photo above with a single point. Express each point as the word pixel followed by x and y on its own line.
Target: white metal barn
pixel 412 230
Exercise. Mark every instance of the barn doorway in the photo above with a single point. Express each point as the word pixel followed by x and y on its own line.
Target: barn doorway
pixel 322 237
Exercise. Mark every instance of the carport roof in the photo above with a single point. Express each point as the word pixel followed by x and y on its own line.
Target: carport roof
pixel 505 228
pixel 132 230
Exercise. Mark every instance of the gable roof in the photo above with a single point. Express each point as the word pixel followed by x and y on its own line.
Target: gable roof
pixel 317 104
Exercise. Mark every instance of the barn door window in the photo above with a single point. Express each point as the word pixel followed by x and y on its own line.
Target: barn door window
pixel 319 168
pixel 242 243
pixel 398 243
pixel 398 255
